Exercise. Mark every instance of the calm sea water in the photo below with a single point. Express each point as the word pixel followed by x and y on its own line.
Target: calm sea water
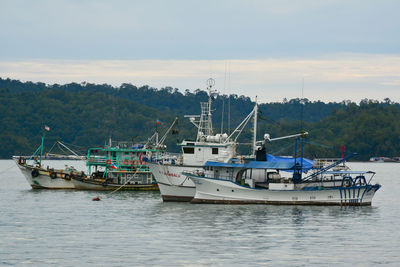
pixel 67 228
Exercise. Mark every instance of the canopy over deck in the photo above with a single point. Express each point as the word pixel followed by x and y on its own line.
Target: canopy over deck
pixel 273 162
pixel 347 172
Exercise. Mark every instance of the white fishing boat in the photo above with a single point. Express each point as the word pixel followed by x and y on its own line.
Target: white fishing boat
pixel 167 169
pixel 279 180
pixel 40 177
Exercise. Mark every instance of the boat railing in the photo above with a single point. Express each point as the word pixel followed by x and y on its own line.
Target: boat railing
pixel 166 158
pixel 205 174
pixel 97 159
pixel 125 145
pixel 120 162
pixel 324 162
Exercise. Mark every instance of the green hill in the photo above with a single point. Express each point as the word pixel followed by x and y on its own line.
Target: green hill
pixel 88 114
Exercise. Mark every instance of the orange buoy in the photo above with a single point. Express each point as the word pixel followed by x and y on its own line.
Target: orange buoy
pixel 96 199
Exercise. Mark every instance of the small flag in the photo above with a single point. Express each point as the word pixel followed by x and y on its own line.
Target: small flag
pixel 113 166
pixel 47 128
pixel 158 122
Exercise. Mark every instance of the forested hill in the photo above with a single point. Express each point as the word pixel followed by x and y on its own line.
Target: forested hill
pixel 87 114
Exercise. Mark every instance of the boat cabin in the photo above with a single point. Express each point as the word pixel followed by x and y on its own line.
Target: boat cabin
pixel 198 152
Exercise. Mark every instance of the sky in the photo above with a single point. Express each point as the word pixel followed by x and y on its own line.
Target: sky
pixel 273 49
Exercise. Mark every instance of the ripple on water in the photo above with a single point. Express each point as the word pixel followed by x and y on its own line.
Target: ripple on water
pixel 66 228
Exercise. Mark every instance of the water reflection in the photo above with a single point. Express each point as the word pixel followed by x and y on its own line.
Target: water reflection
pixel 67 228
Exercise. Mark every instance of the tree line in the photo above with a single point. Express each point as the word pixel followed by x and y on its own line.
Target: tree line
pixel 86 115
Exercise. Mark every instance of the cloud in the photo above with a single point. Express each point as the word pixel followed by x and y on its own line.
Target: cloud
pixel 331 78
pixel 209 29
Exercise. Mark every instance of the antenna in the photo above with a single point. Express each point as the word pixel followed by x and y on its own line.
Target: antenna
pixel 302 104
pixel 223 103
pixel 229 97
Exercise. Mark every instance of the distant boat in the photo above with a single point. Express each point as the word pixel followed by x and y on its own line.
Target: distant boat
pixel 383 159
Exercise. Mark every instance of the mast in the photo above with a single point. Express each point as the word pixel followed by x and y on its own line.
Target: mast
pixel 255 128
pixel 210 83
pixel 205 123
pixel 41 150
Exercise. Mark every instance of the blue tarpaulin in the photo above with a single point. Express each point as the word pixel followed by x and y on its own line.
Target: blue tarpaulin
pixel 307 163
pixel 273 162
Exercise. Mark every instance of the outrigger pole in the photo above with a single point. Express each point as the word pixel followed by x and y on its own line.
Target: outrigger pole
pixel 167 132
pixel 241 126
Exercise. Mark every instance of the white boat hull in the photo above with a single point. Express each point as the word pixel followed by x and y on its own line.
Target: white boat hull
pixel 43 180
pixel 173 185
pixel 210 190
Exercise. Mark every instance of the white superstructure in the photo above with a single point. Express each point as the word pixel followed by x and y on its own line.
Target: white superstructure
pixel 219 147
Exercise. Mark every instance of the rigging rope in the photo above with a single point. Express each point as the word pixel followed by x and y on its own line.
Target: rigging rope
pixel 3 171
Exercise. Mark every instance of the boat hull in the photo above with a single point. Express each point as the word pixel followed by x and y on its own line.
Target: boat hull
pixel 210 190
pixel 43 180
pixel 89 184
pixel 173 185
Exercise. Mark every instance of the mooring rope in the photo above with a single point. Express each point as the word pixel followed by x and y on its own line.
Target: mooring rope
pixel 3 171
pixel 119 188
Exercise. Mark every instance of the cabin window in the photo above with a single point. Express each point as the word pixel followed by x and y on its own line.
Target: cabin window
pixel 190 144
pixel 215 150
pixel 188 150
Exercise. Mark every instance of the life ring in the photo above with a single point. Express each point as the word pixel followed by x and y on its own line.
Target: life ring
pixel 35 173
pixel 108 162
pixel 53 175
pixel 67 177
pixel 126 162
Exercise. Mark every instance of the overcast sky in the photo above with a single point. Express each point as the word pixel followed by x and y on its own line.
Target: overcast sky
pixel 342 49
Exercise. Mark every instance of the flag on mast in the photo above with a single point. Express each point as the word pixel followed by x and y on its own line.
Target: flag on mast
pixel 47 128
pixel 113 166
pixel 158 122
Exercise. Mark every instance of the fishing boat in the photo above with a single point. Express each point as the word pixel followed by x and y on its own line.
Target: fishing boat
pixel 117 165
pixel 167 168
pixel 121 165
pixel 282 180
pixel 40 177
